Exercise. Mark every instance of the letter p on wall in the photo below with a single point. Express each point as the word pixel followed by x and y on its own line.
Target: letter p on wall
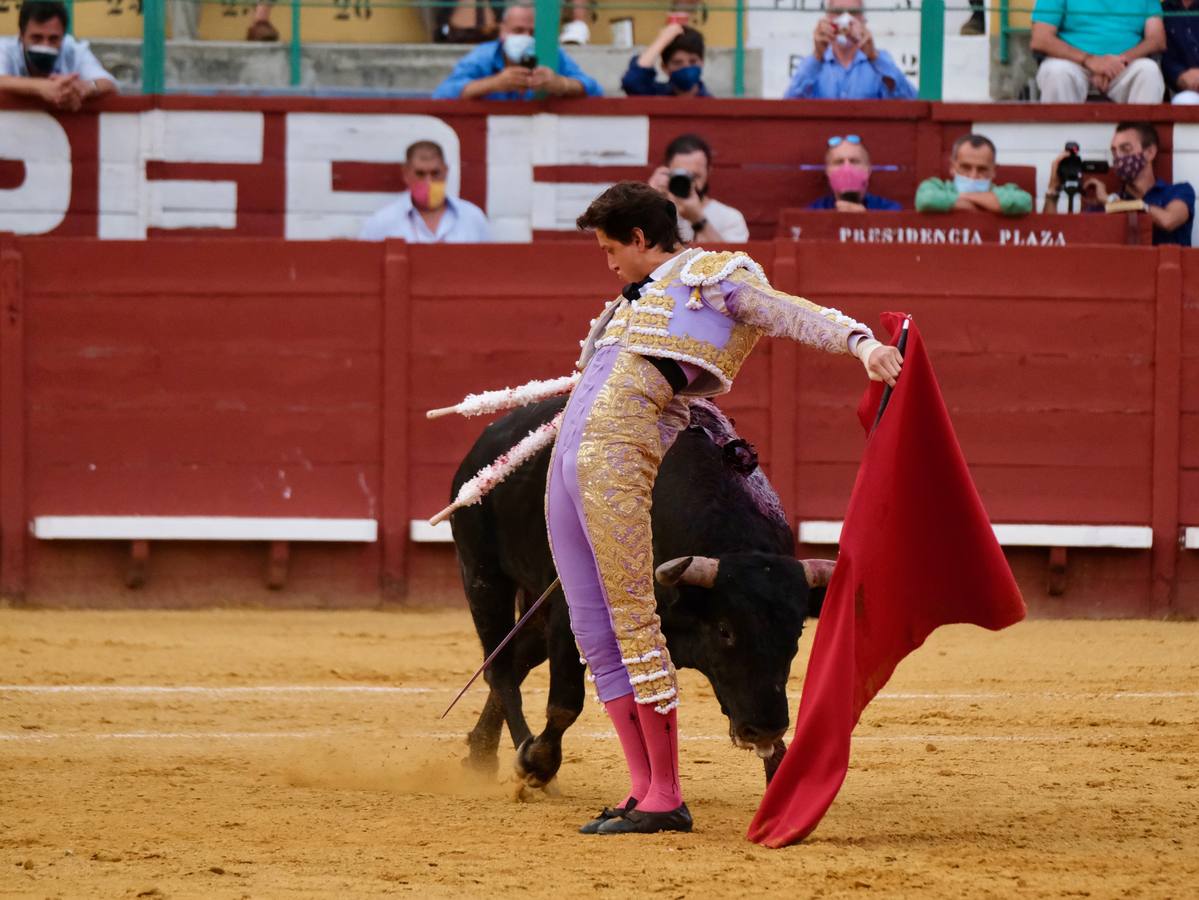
pixel 40 146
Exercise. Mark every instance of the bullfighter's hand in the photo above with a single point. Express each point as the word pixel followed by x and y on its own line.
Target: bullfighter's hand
pixel 883 364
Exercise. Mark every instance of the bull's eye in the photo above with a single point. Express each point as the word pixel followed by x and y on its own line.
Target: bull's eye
pixel 726 634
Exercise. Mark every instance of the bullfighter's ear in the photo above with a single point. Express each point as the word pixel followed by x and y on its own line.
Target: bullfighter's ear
pixel 696 570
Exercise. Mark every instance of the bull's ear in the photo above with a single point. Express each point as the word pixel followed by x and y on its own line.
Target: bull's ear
pixel 695 570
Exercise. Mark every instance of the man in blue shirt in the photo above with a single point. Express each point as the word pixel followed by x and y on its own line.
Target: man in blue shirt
pixel 1134 150
pixel 681 49
pixel 847 168
pixel 507 69
pixel 845 64
pixel 1180 65
pixel 1099 45
pixel 44 62
pixel 426 213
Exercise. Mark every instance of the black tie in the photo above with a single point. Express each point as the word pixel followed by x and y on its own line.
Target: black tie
pixel 632 290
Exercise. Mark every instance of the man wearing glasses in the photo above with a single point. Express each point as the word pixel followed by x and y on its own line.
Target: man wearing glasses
pixel 845 64
pixel 847 168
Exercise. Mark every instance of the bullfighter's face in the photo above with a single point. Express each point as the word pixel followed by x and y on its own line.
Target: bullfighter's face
pixel 631 261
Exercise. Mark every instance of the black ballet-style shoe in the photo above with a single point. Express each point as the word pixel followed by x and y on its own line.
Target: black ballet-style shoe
pixel 607 814
pixel 638 822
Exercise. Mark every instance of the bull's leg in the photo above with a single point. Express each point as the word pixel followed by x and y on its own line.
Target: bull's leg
pixel 484 738
pixel 538 760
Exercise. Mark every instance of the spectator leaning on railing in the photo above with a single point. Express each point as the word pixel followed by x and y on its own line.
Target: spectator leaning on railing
pixel 681 49
pixel 1180 65
pixel 426 213
pixel 1099 46
pixel 845 64
pixel 45 62
pixel 972 187
pixel 686 180
pixel 1134 151
pixel 508 69
pixel 847 168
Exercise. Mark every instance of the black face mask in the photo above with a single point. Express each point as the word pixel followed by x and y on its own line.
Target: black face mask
pixel 40 60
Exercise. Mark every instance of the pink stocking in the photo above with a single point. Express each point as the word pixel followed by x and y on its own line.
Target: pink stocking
pixel 661 735
pixel 623 712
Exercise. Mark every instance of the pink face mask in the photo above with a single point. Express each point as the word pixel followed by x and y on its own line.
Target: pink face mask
pixel 848 179
pixel 428 195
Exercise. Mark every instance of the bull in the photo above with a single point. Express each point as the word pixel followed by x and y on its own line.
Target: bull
pixel 730 593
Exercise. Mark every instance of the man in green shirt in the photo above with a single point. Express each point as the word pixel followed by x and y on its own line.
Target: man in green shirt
pixel 971 187
pixel 1101 46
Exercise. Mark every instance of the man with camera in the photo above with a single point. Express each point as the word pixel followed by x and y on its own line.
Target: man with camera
pixel 1100 46
pixel 845 64
pixel 46 63
pixel 685 180
pixel 1134 150
pixel 847 168
pixel 972 186
pixel 508 69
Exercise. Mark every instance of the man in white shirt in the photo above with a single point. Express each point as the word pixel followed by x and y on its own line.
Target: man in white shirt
pixel 46 63
pixel 684 179
pixel 426 213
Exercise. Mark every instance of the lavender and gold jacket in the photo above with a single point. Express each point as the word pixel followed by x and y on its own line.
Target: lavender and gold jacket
pixel 709 311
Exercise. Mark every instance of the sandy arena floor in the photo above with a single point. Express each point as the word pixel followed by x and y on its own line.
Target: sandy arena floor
pixel 262 754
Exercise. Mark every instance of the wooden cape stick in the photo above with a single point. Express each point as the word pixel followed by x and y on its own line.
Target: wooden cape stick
pixel 504 643
pixel 901 345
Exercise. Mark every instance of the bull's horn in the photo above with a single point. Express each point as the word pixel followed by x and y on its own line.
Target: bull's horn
pixel 697 570
pixel 817 571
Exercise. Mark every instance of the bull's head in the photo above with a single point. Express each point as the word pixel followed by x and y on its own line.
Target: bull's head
pixel 738 618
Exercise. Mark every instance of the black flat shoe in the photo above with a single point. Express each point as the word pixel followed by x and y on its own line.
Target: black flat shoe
pixel 637 822
pixel 607 814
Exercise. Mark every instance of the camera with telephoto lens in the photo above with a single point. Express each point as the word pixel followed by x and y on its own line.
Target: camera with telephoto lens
pixel 680 183
pixel 1071 169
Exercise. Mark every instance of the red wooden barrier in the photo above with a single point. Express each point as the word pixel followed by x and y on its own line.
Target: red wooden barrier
pixel 272 378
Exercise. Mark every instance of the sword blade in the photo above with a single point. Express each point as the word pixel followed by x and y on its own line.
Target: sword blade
pixel 504 643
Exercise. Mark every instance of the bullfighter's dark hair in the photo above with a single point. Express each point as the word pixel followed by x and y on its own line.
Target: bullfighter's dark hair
pixel 975 141
pixel 40 11
pixel 690 41
pixel 424 147
pixel 1146 132
pixel 628 205
pixel 688 143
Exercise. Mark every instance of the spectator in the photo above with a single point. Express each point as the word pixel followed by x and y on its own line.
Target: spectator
pixel 45 62
pixel 507 69
pixel 426 213
pixel 845 64
pixel 1134 150
pixel 685 179
pixel 977 23
pixel 1180 65
pixel 847 168
pixel 464 22
pixel 972 165
pixel 681 49
pixel 261 28
pixel 1101 46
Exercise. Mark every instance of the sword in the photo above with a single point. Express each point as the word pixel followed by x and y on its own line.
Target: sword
pixel 901 345
pixel 504 643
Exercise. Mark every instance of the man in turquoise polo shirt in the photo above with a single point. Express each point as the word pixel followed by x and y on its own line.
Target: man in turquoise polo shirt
pixel 1100 46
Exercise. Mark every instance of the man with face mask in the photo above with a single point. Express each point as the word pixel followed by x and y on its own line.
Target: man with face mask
pixel 972 187
pixel 508 69
pixel 1134 151
pixel 46 63
pixel 845 64
pixel 426 213
pixel 847 168
pixel 681 49
pixel 685 180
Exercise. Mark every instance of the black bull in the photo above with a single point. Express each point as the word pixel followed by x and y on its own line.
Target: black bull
pixel 740 628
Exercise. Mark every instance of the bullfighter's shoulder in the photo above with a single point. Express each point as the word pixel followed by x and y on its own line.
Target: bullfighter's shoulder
pixel 712 267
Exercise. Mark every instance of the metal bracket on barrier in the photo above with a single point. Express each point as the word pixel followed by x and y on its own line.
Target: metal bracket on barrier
pixel 1057 571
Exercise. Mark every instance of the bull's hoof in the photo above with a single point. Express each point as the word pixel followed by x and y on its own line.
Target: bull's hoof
pixel 482 765
pixel 537 762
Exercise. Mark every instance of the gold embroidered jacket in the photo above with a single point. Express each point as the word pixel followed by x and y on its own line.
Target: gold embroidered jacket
pixel 709 310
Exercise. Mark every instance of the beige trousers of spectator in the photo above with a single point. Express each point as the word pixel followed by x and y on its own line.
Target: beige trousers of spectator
pixel 1062 81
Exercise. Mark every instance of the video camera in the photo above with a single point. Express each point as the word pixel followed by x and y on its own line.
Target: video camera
pixel 1071 170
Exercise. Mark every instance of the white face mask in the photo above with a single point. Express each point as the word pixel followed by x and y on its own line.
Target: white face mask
pixel 518 48
pixel 971 185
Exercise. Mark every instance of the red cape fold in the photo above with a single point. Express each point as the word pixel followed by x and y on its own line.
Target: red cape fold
pixel 917 551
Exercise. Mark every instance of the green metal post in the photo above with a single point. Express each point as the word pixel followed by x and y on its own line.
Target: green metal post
pixel 1005 23
pixel 71 17
pixel 932 48
pixel 294 50
pixel 154 42
pixel 548 14
pixel 739 53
